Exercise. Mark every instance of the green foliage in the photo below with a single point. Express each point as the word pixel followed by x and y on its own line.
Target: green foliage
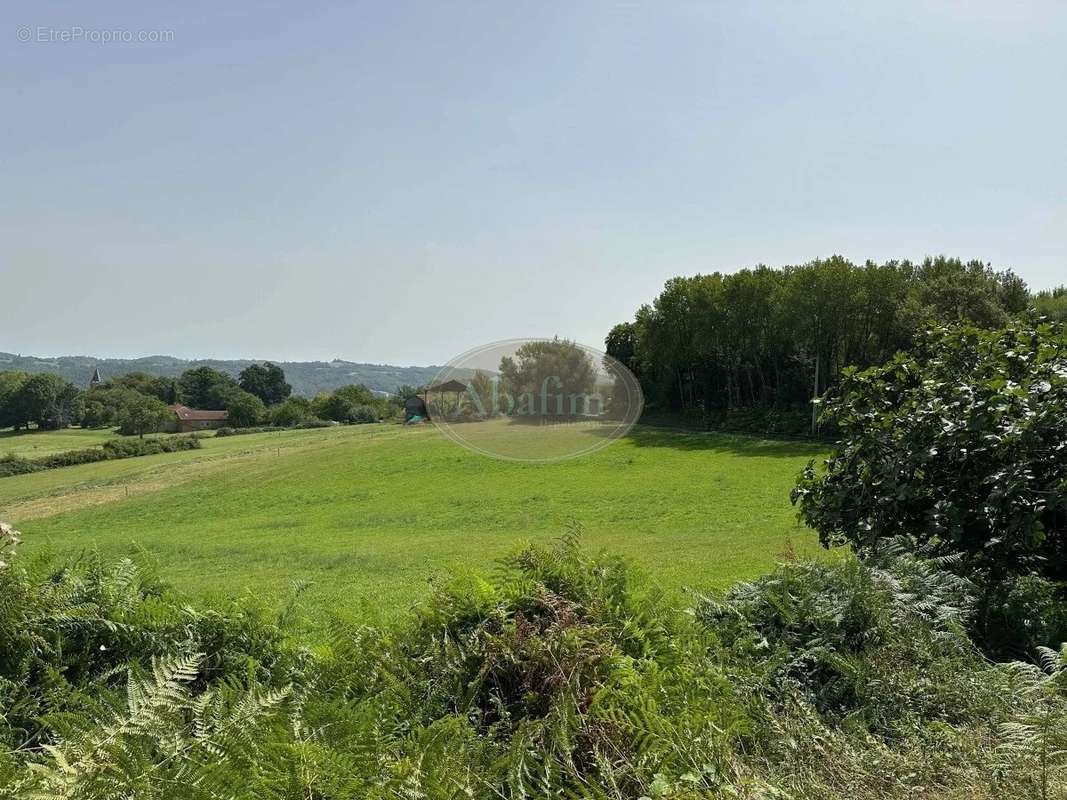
pixel 109 451
pixel 143 414
pixel 126 448
pixel 864 643
pixel 102 405
pixel 157 386
pixel 10 383
pixel 307 424
pixel 291 412
pixel 45 400
pixel 363 414
pixel 962 444
pixel 1052 303
pixel 563 675
pixel 751 339
pixel 1034 742
pixel 405 392
pixel 541 370
pixel 864 682
pixel 266 381
pixel 204 387
pixel 245 410
pixel 352 404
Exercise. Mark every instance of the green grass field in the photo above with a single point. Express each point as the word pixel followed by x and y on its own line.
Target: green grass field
pixel 368 513
pixel 31 444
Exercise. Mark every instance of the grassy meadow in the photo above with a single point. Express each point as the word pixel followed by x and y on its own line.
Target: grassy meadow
pixel 34 443
pixel 364 514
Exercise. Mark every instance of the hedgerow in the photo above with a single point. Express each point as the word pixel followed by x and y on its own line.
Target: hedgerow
pixel 306 424
pixel 111 450
pixel 561 675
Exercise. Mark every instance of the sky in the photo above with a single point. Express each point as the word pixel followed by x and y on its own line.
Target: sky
pixel 398 182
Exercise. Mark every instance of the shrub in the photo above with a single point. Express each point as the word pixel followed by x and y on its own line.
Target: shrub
pixel 292 412
pixel 305 425
pixel 128 448
pixel 1021 614
pixel 960 444
pixel 563 675
pixel 244 410
pixel 363 414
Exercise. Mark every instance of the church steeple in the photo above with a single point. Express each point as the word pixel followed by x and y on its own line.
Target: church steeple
pixel 96 380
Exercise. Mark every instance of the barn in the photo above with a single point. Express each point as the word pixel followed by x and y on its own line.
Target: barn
pixel 188 419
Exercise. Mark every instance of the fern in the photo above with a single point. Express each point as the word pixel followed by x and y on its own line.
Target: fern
pixel 1035 743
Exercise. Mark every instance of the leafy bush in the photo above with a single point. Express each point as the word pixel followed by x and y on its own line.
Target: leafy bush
pixel 128 448
pixel 962 444
pixel 305 425
pixel 244 410
pixel 1020 614
pixel 292 412
pixel 363 414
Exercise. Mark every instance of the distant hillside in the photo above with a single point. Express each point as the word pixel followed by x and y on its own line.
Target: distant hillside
pixel 307 377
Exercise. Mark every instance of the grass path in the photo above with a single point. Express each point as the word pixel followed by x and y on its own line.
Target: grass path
pixel 368 512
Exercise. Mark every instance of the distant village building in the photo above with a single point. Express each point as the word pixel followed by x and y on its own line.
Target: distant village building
pixel 96 380
pixel 188 419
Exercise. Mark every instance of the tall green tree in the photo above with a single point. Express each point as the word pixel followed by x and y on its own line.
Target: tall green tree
pixel 245 410
pixel 10 412
pixel 549 377
pixel 204 387
pixel 47 400
pixel 266 381
pixel 143 414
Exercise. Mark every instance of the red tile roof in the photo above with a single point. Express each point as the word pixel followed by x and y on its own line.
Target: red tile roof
pixel 186 413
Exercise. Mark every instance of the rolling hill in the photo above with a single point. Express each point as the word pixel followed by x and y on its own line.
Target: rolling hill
pixel 307 377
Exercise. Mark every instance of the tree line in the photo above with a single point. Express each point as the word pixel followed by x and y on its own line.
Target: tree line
pixel 137 403
pixel 766 338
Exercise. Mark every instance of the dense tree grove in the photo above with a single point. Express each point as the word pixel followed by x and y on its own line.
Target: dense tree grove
pixel 136 403
pixel 44 400
pixel 762 337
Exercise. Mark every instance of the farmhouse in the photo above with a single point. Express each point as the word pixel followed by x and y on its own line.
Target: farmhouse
pixel 193 419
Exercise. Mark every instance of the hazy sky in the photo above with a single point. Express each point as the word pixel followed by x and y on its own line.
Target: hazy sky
pixel 398 182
